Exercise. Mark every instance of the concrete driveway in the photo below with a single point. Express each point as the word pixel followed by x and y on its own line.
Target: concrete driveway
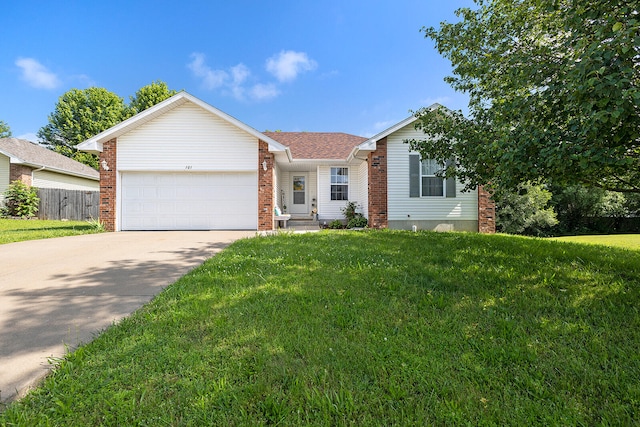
pixel 58 293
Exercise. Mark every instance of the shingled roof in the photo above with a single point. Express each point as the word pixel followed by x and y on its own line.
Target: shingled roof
pixel 27 152
pixel 317 145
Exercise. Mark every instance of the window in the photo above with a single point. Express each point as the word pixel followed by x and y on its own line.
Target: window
pixel 423 181
pixel 339 183
pixel 432 185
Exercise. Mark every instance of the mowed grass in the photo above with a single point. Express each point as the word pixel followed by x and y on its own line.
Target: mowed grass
pixel 368 328
pixel 18 230
pixel 629 241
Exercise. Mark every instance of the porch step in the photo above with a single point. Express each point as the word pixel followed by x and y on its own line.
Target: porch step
pixel 293 222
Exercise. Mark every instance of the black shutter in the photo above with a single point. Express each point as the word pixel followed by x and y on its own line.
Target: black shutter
pixel 414 175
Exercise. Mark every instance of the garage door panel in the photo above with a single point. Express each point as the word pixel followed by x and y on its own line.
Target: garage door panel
pixel 188 201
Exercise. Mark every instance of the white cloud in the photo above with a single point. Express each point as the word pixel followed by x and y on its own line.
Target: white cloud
pixel 262 92
pixel 212 79
pixel 236 80
pixel 286 65
pixel 36 74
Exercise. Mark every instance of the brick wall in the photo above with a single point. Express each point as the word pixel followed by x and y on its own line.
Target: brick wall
pixel 378 185
pixel 108 185
pixel 265 187
pixel 20 173
pixel 486 212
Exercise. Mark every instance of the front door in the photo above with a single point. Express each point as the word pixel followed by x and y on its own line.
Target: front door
pixel 299 202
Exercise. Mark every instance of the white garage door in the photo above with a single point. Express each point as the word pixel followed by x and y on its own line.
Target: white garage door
pixel 189 201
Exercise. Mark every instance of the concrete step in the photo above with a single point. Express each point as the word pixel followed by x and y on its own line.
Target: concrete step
pixel 301 223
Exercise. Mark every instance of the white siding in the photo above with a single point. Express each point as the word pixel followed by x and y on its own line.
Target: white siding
pixel 48 179
pixel 187 138
pixel 283 184
pixel 4 175
pixel 331 209
pixel 363 177
pixel 402 207
pixel 276 187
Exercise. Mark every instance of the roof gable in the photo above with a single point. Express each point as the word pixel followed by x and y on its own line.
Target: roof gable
pixel 94 144
pixel 318 145
pixel 370 144
pixel 32 154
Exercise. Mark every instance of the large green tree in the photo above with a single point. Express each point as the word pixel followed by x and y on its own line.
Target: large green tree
pixel 5 130
pixel 148 96
pixel 554 94
pixel 79 115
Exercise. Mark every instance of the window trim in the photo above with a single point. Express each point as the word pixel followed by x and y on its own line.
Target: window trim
pixel 442 179
pixel 345 184
pixel 415 179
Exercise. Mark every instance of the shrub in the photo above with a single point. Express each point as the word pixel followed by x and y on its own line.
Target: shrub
pixel 336 223
pixel 20 200
pixel 358 221
pixel 349 211
pixel 526 211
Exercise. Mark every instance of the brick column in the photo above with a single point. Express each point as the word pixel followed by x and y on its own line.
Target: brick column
pixel 378 185
pixel 20 173
pixel 108 185
pixel 486 212
pixel 265 187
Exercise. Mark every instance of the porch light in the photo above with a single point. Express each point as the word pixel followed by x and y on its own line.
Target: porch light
pixel 264 165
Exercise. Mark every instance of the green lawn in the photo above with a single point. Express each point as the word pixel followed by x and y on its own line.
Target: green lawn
pixel 629 241
pixel 18 230
pixel 368 328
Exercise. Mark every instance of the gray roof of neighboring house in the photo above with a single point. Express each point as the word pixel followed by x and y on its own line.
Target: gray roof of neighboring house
pixel 32 154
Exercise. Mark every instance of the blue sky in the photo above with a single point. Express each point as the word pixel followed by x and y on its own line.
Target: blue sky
pixel 337 66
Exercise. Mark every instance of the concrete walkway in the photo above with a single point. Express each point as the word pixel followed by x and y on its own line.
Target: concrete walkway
pixel 58 293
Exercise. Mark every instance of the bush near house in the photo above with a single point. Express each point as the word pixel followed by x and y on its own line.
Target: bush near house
pixel 20 200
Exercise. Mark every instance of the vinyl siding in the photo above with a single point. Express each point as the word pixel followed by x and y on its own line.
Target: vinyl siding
pixel 48 179
pixel 187 138
pixel 283 193
pixel 363 177
pixel 402 207
pixel 331 209
pixel 4 175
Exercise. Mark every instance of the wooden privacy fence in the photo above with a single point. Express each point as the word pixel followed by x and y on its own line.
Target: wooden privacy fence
pixel 77 205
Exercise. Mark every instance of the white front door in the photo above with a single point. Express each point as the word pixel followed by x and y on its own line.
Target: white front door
pixel 299 194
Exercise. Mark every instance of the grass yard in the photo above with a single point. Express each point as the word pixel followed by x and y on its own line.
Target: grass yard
pixel 629 241
pixel 368 328
pixel 18 230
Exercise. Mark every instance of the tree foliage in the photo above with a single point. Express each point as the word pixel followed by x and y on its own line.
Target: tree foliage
pixel 554 94
pixel 81 114
pixel 525 211
pixel 148 96
pixel 5 130
pixel 20 200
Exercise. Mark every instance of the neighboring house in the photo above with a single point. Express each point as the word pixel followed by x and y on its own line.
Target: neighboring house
pixel 183 164
pixel 37 166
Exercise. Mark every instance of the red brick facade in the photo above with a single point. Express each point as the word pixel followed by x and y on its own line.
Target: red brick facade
pixel 20 173
pixel 265 187
pixel 378 185
pixel 108 185
pixel 486 212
